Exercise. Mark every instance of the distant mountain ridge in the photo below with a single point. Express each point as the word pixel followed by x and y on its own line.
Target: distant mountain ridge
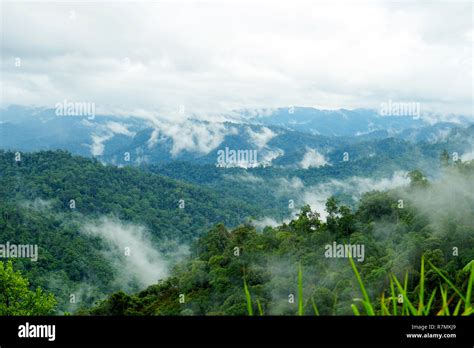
pixel 284 137
pixel 342 122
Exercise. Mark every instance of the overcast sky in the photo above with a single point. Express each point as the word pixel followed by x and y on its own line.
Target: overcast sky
pixel 216 56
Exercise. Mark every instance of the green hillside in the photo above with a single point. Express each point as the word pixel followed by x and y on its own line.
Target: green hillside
pixel 47 197
pixel 397 228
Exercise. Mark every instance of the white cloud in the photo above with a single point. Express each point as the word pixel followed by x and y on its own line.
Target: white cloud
pixel 312 158
pixel 37 204
pixel 245 177
pixel 190 135
pixel 467 156
pixel 317 195
pixel 154 137
pixel 286 185
pixel 398 179
pixel 103 132
pixel 119 128
pixel 441 136
pixel 260 139
pixel 260 224
pixel 269 155
pixel 98 146
pixel 143 264
pixel 264 222
pixel 216 56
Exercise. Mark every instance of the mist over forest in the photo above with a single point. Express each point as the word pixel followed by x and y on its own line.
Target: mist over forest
pixel 208 159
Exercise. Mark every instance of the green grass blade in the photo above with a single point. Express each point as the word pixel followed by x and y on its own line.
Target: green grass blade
pixel 249 299
pixel 315 308
pixel 368 306
pixel 405 287
pixel 470 311
pixel 447 281
pixel 458 307
pixel 422 286
pixel 300 290
pixel 394 297
pixel 383 306
pixel 355 309
pixel 259 305
pixel 467 268
pixel 445 309
pixel 467 302
pixel 430 302
pixel 406 301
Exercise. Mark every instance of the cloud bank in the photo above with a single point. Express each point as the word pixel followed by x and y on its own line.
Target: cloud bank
pixel 129 249
pixel 313 159
pixel 216 56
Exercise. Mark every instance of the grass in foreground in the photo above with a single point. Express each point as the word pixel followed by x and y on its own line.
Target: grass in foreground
pixel 399 303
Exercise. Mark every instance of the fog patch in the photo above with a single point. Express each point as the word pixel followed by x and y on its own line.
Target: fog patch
pixel 269 156
pixel 451 198
pixel 467 156
pixel 98 147
pixel 260 139
pixel 129 249
pixel 119 128
pixel 244 177
pixel 105 132
pixel 285 186
pixel 37 204
pixel 190 135
pixel 267 221
pixel 313 159
pixel 317 195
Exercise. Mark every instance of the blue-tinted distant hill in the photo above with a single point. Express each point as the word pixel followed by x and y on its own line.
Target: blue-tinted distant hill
pixel 280 138
pixel 340 122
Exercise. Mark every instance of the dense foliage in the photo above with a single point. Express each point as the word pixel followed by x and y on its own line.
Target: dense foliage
pixel 35 208
pixel 17 299
pixel 397 228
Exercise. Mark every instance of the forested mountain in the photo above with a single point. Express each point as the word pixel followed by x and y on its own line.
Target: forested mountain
pixel 48 197
pixel 146 204
pixel 76 257
pixel 345 122
pixel 434 224
pixel 58 177
pixel 280 138
pixel 341 122
pixel 231 158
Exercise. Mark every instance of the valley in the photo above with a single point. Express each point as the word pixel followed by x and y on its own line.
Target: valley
pixel 148 211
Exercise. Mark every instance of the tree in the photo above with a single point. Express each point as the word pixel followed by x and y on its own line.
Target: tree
pixel 418 179
pixel 17 299
pixel 332 210
pixel 307 220
pixel 340 219
pixel 444 158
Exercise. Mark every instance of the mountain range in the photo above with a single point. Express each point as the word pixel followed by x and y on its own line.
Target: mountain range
pixel 304 137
